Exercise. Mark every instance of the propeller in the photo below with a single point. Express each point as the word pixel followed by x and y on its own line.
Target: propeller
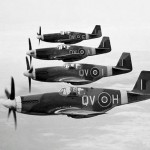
pixel 39 34
pixel 11 103
pixel 30 48
pixel 29 72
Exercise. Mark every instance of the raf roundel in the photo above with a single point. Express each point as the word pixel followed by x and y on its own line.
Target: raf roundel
pixel 104 99
pixel 94 72
pixel 78 36
pixel 82 51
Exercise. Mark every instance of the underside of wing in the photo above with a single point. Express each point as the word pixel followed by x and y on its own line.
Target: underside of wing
pixel 64 40
pixel 69 41
pixel 68 56
pixel 73 80
pixel 78 113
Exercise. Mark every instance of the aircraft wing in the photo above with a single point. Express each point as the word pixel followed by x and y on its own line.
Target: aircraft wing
pixel 77 112
pixel 73 79
pixel 68 56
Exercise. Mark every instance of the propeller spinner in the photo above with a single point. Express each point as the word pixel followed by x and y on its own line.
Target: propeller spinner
pixel 10 103
pixel 31 52
pixel 39 36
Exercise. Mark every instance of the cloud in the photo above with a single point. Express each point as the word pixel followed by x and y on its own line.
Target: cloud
pixel 127 135
pixel 48 134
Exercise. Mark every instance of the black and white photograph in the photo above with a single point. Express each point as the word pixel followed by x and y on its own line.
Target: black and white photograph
pixel 74 75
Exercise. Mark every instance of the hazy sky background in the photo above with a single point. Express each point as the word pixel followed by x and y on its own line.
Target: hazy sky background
pixel 126 22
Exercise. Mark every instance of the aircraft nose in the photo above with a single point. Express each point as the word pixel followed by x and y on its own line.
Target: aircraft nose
pixel 26 73
pixel 30 75
pixel 28 53
pixel 31 53
pixel 40 37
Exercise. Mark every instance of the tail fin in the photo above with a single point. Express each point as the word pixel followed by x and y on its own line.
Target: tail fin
pixel 105 43
pixel 143 83
pixel 97 31
pixel 104 46
pixel 124 62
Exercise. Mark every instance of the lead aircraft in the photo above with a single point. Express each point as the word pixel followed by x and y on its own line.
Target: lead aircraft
pixel 76 102
pixel 69 53
pixel 76 73
pixel 69 37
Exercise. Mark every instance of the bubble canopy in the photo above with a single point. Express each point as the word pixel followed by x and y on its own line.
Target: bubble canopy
pixel 73 91
pixel 63 46
pixel 72 66
pixel 64 32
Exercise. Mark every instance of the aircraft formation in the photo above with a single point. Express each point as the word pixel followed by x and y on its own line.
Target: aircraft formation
pixel 75 102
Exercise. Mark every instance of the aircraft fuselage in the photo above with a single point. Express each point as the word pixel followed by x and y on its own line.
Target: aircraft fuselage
pixel 67 38
pixel 76 75
pixel 99 100
pixel 89 72
pixel 56 53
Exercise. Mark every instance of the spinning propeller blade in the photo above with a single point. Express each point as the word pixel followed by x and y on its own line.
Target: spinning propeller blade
pixel 8 104
pixel 27 63
pixel 30 71
pixel 30 48
pixel 12 95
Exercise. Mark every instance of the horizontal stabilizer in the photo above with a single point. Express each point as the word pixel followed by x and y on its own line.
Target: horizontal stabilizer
pixel 136 93
pixel 122 69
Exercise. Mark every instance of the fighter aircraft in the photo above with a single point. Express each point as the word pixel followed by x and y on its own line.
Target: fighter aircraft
pixel 78 74
pixel 69 37
pixel 69 53
pixel 77 102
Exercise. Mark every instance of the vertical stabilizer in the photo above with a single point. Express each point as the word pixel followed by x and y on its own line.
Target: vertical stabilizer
pixel 125 61
pixel 143 83
pixel 97 31
pixel 104 46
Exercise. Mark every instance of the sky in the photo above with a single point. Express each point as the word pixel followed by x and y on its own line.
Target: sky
pixel 127 24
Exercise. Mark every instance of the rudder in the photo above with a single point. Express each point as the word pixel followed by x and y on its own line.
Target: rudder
pixel 97 31
pixel 105 43
pixel 125 61
pixel 143 83
pixel 104 46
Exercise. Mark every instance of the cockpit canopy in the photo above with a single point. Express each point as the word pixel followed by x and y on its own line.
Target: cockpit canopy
pixel 63 46
pixel 72 66
pixel 71 91
pixel 64 32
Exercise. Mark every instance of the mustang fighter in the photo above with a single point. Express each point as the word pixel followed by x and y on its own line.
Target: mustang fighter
pixel 69 53
pixel 77 102
pixel 78 74
pixel 69 37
